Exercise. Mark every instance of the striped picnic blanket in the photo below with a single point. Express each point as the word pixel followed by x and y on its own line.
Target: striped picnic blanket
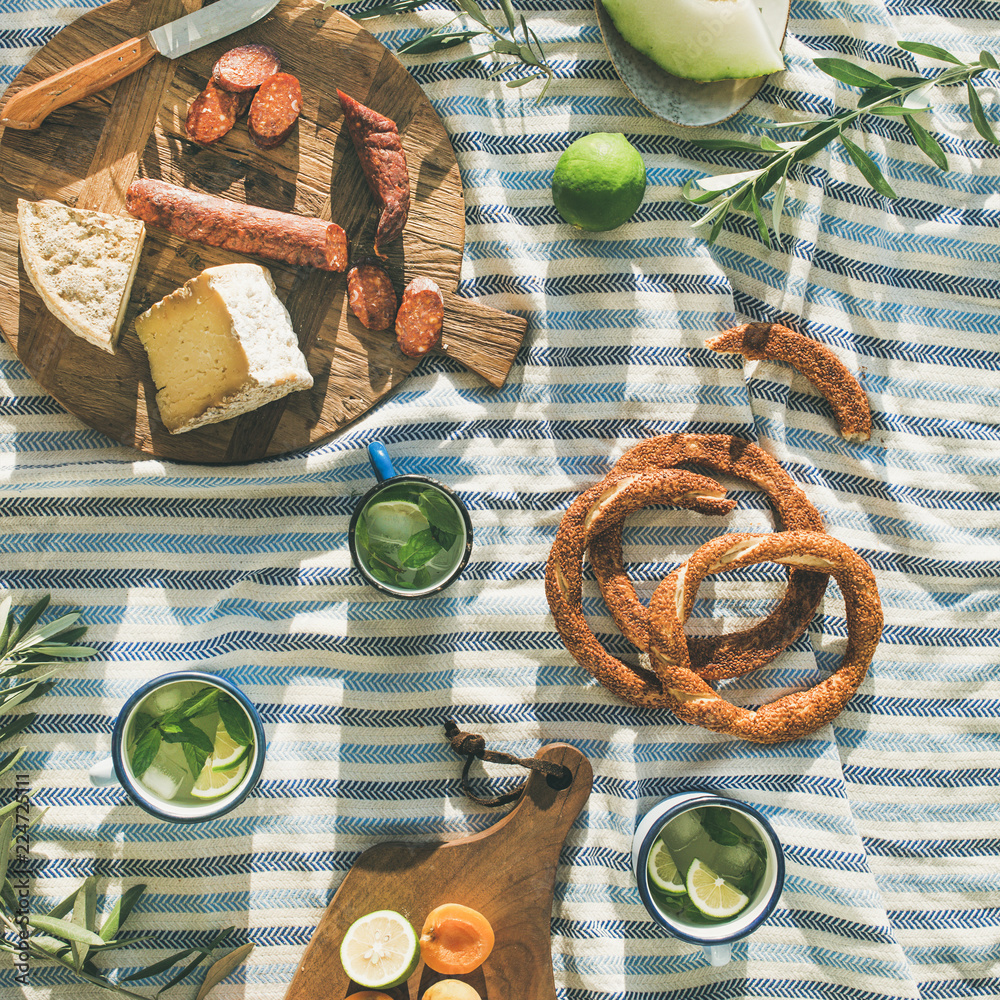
pixel 889 817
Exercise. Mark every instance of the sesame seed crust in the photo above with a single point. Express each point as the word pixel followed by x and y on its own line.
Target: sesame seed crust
pixel 774 342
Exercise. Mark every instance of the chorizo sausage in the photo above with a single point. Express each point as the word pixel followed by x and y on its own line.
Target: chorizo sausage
pixel 380 151
pixel 275 110
pixel 211 115
pixel 295 239
pixel 245 68
pixel 420 317
pixel 371 296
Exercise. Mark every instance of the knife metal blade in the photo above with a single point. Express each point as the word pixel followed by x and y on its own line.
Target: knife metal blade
pixel 28 108
pixel 209 24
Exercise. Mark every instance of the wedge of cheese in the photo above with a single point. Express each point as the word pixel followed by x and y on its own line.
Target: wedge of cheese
pixel 82 264
pixel 220 346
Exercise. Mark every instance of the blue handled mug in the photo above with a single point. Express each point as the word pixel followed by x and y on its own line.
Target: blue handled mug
pixel 673 909
pixel 164 789
pixel 410 536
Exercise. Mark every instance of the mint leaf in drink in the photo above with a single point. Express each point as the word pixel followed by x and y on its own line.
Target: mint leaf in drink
pixel 720 827
pixel 440 512
pixel 145 750
pixel 195 757
pixel 187 732
pixel 419 549
pixel 200 703
pixel 235 720
pixel 141 722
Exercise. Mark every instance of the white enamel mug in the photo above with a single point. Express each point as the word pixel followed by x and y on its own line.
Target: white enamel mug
pixel 116 769
pixel 716 939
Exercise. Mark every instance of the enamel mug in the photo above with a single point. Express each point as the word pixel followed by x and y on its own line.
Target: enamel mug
pixel 116 769
pixel 716 938
pixel 383 570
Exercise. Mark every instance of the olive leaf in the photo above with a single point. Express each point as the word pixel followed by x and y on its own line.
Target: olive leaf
pixel 927 143
pixel 119 914
pixel 222 968
pixel 503 41
pixel 436 42
pixel 901 96
pixel 847 72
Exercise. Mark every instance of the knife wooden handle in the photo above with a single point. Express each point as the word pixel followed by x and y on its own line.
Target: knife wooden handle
pixel 29 107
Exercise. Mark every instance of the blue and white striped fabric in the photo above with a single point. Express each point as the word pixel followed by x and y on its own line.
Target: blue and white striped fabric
pixel 889 817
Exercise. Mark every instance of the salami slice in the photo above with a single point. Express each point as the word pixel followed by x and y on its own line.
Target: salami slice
pixel 380 151
pixel 371 296
pixel 275 110
pixel 420 317
pixel 211 115
pixel 244 69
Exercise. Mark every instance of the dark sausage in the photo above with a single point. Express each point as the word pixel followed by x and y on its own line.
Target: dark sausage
pixel 295 239
pixel 245 68
pixel 211 115
pixel 275 110
pixel 380 150
pixel 371 295
pixel 420 318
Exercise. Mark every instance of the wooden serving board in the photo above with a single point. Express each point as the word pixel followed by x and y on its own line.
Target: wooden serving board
pixel 506 872
pixel 87 154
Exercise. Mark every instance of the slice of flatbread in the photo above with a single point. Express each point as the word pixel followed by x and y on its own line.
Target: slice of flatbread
pixel 82 264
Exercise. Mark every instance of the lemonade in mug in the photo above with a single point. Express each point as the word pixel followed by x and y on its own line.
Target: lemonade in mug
pixel 187 747
pixel 709 869
pixel 189 743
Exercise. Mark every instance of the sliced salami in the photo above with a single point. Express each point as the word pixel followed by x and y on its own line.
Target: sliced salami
pixel 275 110
pixel 371 296
pixel 211 115
pixel 243 69
pixel 420 317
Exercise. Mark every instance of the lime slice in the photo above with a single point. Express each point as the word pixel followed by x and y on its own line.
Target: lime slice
pixel 394 521
pixel 663 872
pixel 380 950
pixel 212 784
pixel 227 753
pixel 711 894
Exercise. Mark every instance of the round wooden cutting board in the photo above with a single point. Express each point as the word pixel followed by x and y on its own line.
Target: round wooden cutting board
pixel 87 154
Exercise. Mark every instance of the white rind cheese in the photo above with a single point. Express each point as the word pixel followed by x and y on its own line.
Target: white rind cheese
pixel 220 346
pixel 82 264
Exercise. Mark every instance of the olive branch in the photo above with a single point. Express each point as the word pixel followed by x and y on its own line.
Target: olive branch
pixel 69 934
pixel 527 48
pixel 900 96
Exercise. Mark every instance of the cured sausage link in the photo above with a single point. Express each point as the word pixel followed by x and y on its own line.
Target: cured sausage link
pixel 380 151
pixel 294 239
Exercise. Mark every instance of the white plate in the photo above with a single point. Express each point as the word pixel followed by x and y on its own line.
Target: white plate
pixel 684 102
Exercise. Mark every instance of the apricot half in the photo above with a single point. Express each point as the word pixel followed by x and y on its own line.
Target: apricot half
pixel 451 989
pixel 455 939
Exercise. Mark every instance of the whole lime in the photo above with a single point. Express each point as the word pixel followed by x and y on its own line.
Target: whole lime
pixel 599 181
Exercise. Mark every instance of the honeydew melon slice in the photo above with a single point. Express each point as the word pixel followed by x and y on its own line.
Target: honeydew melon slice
pixel 700 40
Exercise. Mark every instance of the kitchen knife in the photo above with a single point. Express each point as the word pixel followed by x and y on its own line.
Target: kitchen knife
pixel 29 107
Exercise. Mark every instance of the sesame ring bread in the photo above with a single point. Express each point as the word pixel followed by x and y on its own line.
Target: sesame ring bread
pixel 774 342
pixel 793 715
pixel 717 656
pixel 611 500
